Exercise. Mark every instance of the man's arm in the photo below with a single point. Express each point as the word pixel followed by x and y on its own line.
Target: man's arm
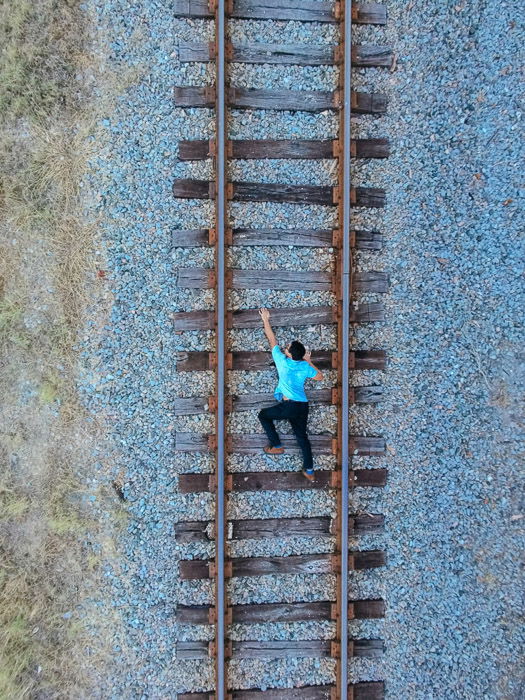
pixel 308 358
pixel 265 315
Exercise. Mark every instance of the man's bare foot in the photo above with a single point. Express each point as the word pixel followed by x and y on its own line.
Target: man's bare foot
pixel 309 475
pixel 273 450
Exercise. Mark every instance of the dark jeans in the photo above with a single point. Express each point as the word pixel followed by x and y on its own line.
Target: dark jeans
pixel 297 413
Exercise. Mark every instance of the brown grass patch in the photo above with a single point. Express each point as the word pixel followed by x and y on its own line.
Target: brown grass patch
pixel 47 270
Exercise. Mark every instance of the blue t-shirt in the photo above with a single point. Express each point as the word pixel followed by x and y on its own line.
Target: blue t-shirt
pixel 292 375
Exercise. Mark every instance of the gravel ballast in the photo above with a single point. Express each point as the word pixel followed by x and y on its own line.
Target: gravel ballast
pixel 449 416
pixel 452 504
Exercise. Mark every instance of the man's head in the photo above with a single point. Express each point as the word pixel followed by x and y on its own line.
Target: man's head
pixel 295 350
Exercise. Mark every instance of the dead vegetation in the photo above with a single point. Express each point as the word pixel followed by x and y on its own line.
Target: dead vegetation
pixel 46 264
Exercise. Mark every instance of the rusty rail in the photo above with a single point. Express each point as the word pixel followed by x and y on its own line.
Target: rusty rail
pixel 345 263
pixel 220 646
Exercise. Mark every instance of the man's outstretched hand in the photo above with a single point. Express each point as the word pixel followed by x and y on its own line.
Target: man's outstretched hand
pixel 264 314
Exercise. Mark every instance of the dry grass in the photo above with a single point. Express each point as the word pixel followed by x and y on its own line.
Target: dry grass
pixel 46 276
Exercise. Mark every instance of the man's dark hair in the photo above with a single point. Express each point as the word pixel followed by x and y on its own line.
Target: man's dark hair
pixel 297 350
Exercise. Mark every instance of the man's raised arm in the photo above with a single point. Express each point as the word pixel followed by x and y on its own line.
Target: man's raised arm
pixel 265 315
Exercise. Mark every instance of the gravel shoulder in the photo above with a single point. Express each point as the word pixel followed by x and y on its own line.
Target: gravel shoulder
pixel 452 420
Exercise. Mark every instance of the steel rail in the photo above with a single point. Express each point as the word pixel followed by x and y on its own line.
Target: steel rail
pixel 220 339
pixel 344 359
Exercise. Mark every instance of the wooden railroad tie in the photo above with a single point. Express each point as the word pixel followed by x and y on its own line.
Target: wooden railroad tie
pixel 325 195
pixel 282 612
pixel 367 282
pixel 303 316
pixel 362 240
pixel 286 148
pixel 252 402
pixel 283 481
pixel 286 54
pixel 296 564
pixel 365 690
pixel 301 10
pixel 369 648
pixel 253 443
pixel 259 529
pixel 282 100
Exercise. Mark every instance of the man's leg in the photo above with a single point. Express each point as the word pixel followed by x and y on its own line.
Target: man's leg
pixel 267 417
pixel 298 422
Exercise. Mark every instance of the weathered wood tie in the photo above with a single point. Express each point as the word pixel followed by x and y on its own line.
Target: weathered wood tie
pixel 302 10
pixel 279 192
pixel 287 100
pixel 286 54
pixel 284 148
pixel 362 240
pixel 296 564
pixel 198 360
pixel 283 612
pixel 188 406
pixel 365 690
pixel 281 481
pixel 252 443
pixel 370 648
pixel 296 317
pixel 316 280
pixel 260 529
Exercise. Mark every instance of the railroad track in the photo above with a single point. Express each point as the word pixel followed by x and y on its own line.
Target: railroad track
pixel 344 282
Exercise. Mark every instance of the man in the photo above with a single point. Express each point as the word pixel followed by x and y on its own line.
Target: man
pixel 294 366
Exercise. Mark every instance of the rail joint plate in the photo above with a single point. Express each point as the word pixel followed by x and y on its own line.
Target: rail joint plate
pixel 228 403
pixel 212 569
pixel 335 480
pixel 212 649
pixel 228 482
pixel 210 94
pixel 335 561
pixel 228 615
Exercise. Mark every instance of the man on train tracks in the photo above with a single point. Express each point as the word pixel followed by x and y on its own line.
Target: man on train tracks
pixel 294 366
